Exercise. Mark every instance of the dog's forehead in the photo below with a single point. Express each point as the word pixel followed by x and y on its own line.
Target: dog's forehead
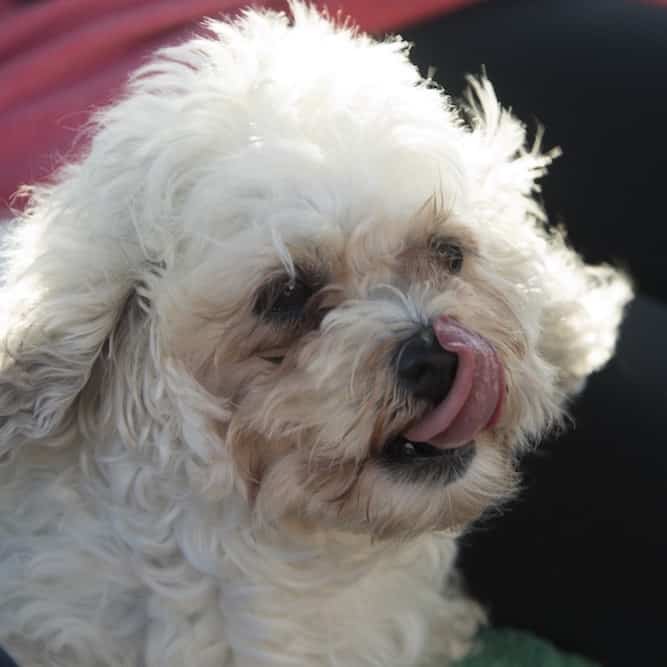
pixel 375 245
pixel 302 189
pixel 325 201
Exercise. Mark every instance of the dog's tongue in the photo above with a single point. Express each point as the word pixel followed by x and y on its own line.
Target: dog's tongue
pixel 475 400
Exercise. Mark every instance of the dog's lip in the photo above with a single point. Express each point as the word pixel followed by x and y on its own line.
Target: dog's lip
pixel 475 401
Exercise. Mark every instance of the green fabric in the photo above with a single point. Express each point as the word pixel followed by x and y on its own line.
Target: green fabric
pixel 511 648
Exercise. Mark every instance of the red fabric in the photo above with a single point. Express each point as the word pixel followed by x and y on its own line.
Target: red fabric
pixel 386 15
pixel 59 59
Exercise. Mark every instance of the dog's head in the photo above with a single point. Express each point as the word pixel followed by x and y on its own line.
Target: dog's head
pixel 288 265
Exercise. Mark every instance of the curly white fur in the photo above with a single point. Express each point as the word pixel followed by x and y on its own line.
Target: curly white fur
pixel 130 533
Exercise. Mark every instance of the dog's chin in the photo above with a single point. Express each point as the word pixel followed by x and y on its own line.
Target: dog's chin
pixel 432 488
pixel 421 462
pixel 405 490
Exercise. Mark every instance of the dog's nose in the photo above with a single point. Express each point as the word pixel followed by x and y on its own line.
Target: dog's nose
pixel 424 368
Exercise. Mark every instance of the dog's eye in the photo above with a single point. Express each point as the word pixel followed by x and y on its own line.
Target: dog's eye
pixel 284 300
pixel 292 298
pixel 448 252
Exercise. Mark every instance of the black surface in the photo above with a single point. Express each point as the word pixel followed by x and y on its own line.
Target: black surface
pixel 580 557
pixel 593 73
pixel 5 660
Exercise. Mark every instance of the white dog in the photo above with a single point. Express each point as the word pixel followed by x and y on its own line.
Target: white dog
pixel 267 349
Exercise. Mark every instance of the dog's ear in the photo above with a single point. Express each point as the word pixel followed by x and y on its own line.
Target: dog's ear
pixel 583 309
pixel 68 298
pixel 581 306
pixel 80 264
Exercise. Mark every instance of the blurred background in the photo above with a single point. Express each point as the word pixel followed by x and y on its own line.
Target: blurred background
pixel 579 557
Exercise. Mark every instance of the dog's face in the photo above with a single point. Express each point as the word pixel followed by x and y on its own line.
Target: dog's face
pixel 377 352
pixel 380 373
pixel 356 281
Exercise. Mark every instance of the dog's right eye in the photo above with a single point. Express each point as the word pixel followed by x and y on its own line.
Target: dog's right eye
pixel 284 300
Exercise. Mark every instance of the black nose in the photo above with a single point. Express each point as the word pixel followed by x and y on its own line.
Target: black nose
pixel 424 368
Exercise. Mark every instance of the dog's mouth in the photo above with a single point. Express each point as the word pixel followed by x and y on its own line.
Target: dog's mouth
pixel 400 449
pixel 473 404
pixel 421 462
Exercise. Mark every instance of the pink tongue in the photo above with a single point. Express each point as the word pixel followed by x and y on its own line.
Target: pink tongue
pixel 475 399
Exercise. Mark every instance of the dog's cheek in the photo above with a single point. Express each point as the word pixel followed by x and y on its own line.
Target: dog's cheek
pixel 281 494
pixel 362 498
pixel 244 456
pixel 252 456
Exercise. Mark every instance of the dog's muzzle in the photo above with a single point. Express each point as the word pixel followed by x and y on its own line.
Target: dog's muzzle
pixel 457 374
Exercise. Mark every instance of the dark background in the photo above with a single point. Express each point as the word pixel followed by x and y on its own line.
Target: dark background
pixel 580 556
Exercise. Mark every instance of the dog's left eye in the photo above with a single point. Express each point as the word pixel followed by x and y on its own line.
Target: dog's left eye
pixel 449 252
pixel 284 300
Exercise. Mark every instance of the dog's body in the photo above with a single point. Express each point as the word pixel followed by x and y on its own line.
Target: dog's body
pixel 229 601
pixel 223 441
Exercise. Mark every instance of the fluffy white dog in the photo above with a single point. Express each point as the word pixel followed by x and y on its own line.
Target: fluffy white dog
pixel 267 349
